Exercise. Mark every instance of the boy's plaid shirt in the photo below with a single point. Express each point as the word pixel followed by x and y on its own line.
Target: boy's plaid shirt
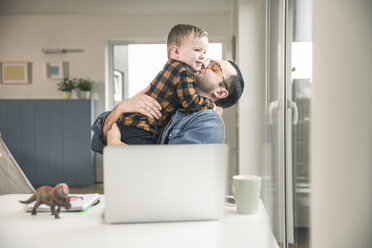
pixel 173 88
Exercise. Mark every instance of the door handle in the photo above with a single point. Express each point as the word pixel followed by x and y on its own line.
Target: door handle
pixel 273 105
pixel 293 105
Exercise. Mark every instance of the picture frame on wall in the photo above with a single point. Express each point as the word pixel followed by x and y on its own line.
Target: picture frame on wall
pixel 16 72
pixel 57 70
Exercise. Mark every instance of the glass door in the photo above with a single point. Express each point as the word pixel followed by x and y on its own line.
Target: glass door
pixel 288 100
pixel 274 192
pixel 298 98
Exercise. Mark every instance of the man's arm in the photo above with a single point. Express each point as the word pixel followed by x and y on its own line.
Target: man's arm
pixel 140 103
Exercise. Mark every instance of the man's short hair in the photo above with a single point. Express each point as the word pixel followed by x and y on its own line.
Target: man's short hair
pixel 235 89
pixel 179 32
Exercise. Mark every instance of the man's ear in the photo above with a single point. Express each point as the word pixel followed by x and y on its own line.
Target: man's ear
pixel 220 93
pixel 175 52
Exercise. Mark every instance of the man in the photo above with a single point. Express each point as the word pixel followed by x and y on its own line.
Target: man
pixel 221 81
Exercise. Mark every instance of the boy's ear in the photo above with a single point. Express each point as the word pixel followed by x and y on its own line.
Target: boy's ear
pixel 175 52
pixel 220 93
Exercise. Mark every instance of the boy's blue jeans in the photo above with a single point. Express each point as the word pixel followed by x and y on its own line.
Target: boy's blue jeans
pixel 136 136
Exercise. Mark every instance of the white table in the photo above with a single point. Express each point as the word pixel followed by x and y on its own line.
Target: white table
pixel 87 229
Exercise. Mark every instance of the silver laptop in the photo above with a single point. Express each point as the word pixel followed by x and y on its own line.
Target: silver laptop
pixel 154 183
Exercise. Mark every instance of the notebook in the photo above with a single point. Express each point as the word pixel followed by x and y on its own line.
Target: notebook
pixel 156 183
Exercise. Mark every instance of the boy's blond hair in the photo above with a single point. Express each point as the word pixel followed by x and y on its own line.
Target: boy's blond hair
pixel 181 31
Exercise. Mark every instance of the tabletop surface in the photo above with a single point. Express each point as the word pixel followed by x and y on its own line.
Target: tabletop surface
pixel 82 229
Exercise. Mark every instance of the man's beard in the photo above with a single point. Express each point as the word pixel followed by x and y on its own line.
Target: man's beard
pixel 203 85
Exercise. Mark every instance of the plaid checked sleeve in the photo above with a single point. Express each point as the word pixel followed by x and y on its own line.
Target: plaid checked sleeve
pixel 189 99
pixel 173 88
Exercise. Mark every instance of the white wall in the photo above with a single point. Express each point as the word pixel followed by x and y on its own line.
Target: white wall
pixel 23 37
pixel 341 133
pixel 26 35
pixel 251 57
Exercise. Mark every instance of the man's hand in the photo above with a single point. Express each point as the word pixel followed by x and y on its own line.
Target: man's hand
pixel 140 103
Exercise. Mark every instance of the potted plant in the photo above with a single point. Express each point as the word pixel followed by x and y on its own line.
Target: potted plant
pixel 85 86
pixel 66 86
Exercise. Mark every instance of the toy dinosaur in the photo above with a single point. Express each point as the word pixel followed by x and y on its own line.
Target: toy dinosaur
pixel 57 196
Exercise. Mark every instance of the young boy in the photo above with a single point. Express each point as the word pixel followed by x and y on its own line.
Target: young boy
pixel 173 87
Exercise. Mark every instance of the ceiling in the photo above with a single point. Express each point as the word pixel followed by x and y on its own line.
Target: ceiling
pixel 38 7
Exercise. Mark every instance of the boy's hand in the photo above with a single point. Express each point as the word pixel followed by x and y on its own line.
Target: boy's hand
pixel 218 109
pixel 114 136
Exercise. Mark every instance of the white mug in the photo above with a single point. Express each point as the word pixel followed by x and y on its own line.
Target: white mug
pixel 246 190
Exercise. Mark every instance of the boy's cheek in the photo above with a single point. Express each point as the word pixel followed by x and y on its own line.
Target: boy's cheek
pixel 197 67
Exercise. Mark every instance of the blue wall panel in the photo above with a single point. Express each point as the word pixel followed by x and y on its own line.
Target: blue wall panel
pixel 55 156
pixel 27 147
pixel 69 149
pixel 50 139
pixel 41 142
pixel 13 126
pixel 3 129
